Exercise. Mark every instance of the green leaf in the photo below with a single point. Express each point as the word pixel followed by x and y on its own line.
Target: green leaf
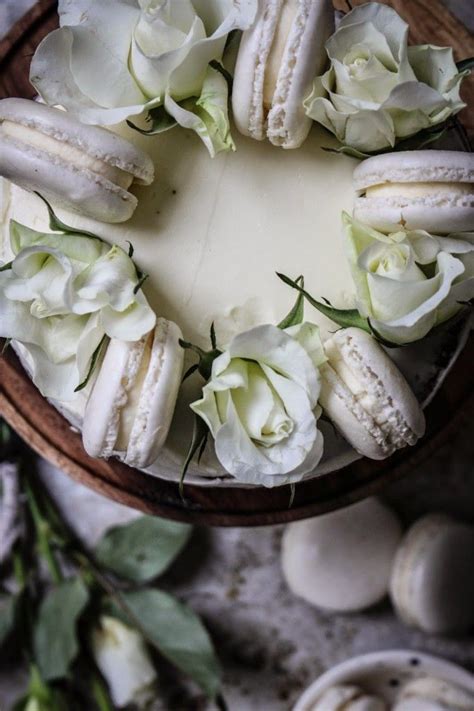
pixel 6 267
pixel 40 696
pixel 6 345
pixel 159 121
pixel 205 358
pixel 57 225
pixel 8 609
pixel 343 317
pixel 94 359
pixel 141 280
pixel 198 444
pixel 347 151
pixel 296 314
pixel 143 549
pixel 465 64
pixel 54 641
pixel 177 633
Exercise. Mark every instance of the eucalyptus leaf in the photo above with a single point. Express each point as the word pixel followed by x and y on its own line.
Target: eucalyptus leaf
pixel 177 633
pixel 54 641
pixel 159 121
pixel 8 609
pixel 343 317
pixel 347 151
pixel 296 315
pixel 143 549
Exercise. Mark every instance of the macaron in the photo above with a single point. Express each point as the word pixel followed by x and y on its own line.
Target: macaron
pixel 278 58
pixel 416 190
pixel 432 581
pixel 434 694
pixel 342 561
pixel 84 168
pixel 366 396
pixel 129 411
pixel 348 698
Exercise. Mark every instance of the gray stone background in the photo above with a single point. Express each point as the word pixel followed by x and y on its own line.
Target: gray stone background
pixel 271 644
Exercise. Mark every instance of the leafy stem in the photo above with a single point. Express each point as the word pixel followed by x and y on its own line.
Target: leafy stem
pixel 43 532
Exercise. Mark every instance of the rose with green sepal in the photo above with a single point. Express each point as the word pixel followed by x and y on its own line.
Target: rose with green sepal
pixel 161 62
pixel 379 91
pixel 410 281
pixel 61 296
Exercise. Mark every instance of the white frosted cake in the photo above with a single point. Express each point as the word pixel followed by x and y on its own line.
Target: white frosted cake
pixel 212 234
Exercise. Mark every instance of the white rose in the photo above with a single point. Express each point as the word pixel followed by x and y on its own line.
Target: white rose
pixel 260 404
pixel 377 89
pixel 118 58
pixel 408 282
pixel 60 296
pixel 123 659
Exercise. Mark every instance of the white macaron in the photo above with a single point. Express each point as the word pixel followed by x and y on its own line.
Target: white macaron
pixel 348 698
pixel 429 693
pixel 342 561
pixel 278 58
pixel 366 396
pixel 416 190
pixel 432 582
pixel 85 168
pixel 131 405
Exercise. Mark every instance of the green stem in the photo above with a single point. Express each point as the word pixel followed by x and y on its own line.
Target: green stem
pixel 43 529
pixel 100 693
pixel 19 570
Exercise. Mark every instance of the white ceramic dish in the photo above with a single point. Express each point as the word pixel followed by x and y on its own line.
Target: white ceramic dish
pixel 383 673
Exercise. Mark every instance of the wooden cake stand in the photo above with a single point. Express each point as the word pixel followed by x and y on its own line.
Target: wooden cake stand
pixel 46 431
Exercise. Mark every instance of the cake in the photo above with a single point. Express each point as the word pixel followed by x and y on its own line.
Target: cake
pixel 214 233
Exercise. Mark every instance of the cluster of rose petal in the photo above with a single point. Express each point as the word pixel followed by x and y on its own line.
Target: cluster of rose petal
pixel 261 404
pixel 378 89
pixel 410 281
pixel 60 296
pixel 113 59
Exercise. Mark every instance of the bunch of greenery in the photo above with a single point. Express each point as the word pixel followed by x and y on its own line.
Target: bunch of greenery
pixel 55 595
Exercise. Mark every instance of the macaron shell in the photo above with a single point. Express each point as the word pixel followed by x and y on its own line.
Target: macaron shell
pixel 158 397
pixel 372 359
pixel 63 184
pixel 249 74
pixel 96 141
pixel 432 582
pixel 420 704
pixel 336 698
pixel 415 166
pixel 109 393
pixel 342 561
pixel 338 403
pixel 435 214
pixel 304 59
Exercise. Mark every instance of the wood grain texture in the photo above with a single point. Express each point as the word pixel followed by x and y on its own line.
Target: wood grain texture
pixel 51 435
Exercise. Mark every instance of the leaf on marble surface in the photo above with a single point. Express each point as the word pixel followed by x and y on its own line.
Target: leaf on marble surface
pixel 55 641
pixel 143 549
pixel 176 632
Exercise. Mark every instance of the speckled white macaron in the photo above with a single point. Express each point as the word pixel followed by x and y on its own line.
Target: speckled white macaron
pixel 428 693
pixel 366 396
pixel 432 582
pixel 84 168
pixel 428 190
pixel 342 561
pixel 278 58
pixel 129 411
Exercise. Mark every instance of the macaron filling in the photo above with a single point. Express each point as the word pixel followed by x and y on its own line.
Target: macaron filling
pixel 133 383
pixel 420 190
pixel 288 14
pixel 65 152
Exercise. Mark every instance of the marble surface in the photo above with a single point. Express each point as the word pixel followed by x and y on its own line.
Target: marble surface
pixel 270 643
